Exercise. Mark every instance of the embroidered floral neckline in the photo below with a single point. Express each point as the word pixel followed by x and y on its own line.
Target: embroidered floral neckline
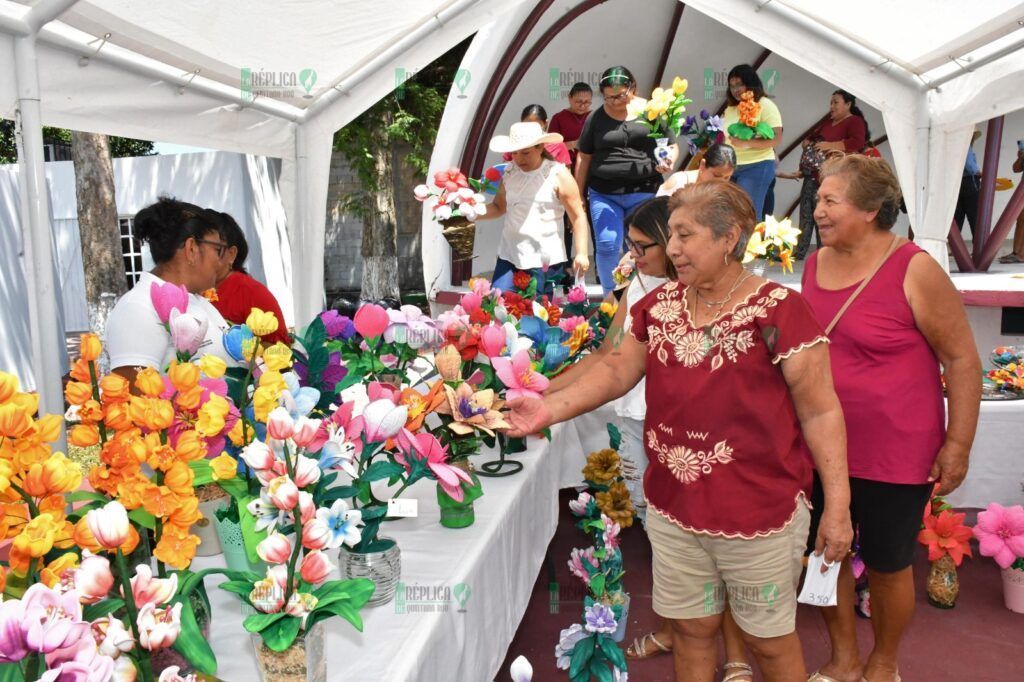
pixel 725 313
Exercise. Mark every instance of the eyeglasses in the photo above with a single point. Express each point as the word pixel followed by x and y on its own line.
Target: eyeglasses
pixel 621 96
pixel 637 248
pixel 220 246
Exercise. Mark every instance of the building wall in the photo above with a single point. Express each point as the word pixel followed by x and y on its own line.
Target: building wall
pixel 343 266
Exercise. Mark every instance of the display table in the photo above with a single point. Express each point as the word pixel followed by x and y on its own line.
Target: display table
pixel 439 637
pixel 997 458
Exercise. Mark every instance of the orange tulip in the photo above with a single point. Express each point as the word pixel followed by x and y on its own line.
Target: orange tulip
pixel 3 579
pixel 6 473
pixel 80 371
pixel 91 412
pixel 161 456
pixel 152 414
pixel 132 490
pixel 8 386
pixel 14 421
pixel 90 347
pixel 77 392
pixel 160 501
pixel 84 436
pixel 150 382
pixel 52 572
pixel 188 400
pixel 104 479
pixel 190 446
pixel 177 547
pixel 115 388
pixel 56 476
pixel 186 514
pixel 36 538
pixel 179 479
pixel 183 375
pixel 117 417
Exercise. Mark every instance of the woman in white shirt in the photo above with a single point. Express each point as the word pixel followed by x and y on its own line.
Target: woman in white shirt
pixel 718 163
pixel 187 248
pixel 535 193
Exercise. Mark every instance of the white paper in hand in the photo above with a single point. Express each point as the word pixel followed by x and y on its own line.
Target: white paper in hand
pixel 819 588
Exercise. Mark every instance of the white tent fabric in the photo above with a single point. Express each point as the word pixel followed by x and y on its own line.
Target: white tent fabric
pixel 173 72
pixel 933 68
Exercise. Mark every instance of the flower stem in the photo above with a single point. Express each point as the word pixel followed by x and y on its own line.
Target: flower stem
pixel 32 671
pixel 145 661
pixel 96 396
pixel 32 508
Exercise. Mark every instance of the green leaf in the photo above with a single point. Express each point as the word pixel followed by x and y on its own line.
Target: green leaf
pixel 581 655
pixel 599 670
pixel 143 518
pixel 338 493
pixel 11 672
pixel 381 470
pixel 260 621
pixel 250 536
pixel 740 131
pixel 243 588
pixel 614 437
pixel 357 591
pixel 101 608
pixel 87 496
pixel 202 470
pixel 764 130
pixel 281 634
pixel 193 645
pixel 236 488
pixel 597 584
pixel 345 610
pixel 375 512
pixel 612 651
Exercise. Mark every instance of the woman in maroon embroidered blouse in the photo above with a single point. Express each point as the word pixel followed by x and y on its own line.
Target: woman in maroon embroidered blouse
pixel 886 349
pixel 745 366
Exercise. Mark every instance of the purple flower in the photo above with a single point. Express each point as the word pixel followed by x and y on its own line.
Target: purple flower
pixel 337 326
pixel 567 640
pixel 704 114
pixel 716 123
pixel 600 618
pixel 690 120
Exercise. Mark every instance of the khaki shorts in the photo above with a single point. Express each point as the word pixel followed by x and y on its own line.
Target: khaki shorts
pixel 694 575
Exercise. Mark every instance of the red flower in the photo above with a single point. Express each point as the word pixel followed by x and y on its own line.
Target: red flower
pixel 521 280
pixel 516 305
pixel 450 180
pixel 946 534
pixel 479 316
pixel 492 174
pixel 465 339
pixel 554 312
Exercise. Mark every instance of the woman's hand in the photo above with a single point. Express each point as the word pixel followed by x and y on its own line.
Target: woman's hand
pixel 950 467
pixel 835 534
pixel 830 146
pixel 527 416
pixel 580 264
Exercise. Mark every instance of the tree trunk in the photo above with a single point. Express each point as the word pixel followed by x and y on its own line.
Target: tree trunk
pixel 98 226
pixel 380 231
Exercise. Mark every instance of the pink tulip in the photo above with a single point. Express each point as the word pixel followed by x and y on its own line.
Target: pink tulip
pixel 12 636
pixel 307 471
pixel 279 424
pixel 149 590
pixel 275 549
pixel 519 377
pixel 268 594
pixel 258 455
pixel 109 525
pixel 92 579
pixel 124 671
pixel 371 320
pixel 52 621
pixel 382 419
pixel 307 508
pixel 315 567
pixel 167 297
pixel 158 628
pixel 78 663
pixel 188 332
pixel 305 431
pixel 316 534
pixel 283 493
pixel 112 635
pixel 471 302
pixel 492 340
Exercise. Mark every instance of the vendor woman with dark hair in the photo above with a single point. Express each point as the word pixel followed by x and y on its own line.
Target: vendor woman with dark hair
pixel 616 166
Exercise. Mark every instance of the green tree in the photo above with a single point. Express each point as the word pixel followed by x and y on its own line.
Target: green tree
pixel 400 128
pixel 119 146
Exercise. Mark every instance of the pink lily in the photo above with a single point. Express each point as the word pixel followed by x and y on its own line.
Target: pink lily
pixel 159 628
pixel 519 377
pixel 167 297
pixel 1000 533
pixel 382 419
pixel 52 620
pixel 425 446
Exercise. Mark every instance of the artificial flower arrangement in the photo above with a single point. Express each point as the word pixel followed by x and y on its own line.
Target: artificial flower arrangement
pixel 1000 534
pixel 948 541
pixel 703 131
pixel 665 108
pixel 773 241
pixel 750 125
pixel 1008 379
pixel 453 195
pixel 586 650
pixel 624 271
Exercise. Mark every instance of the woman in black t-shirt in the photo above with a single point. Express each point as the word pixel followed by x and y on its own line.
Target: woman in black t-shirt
pixel 616 167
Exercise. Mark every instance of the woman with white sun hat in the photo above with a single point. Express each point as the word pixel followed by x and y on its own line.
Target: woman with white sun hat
pixel 535 193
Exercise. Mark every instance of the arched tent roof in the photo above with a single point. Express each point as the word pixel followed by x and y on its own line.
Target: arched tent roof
pixel 173 72
pixel 928 71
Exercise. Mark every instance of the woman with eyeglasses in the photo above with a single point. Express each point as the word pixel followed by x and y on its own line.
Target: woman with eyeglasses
pixel 615 166
pixel 755 168
pixel 187 248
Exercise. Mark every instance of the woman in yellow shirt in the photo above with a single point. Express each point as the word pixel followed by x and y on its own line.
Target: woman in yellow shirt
pixel 755 167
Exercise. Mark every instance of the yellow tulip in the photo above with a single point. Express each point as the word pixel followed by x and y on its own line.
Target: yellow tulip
pixel 149 382
pixel 183 375
pixel 36 538
pixel 277 357
pixel 264 400
pixel 657 93
pixel 14 420
pixel 213 366
pixel 679 85
pixel 224 467
pixel 211 416
pixel 6 472
pixel 273 379
pixel 8 386
pixel 55 476
pixel 90 347
pixel 651 114
pixel 261 323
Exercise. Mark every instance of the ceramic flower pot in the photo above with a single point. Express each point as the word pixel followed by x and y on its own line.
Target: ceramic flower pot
pixel 620 628
pixel 229 534
pixel 383 567
pixel 661 150
pixel 304 661
pixel 1013 589
pixel 943 584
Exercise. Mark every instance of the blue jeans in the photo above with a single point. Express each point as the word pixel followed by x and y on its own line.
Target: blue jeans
pixel 607 214
pixel 754 178
pixel 504 271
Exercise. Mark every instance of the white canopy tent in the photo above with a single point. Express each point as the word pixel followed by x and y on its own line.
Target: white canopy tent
pixel 267 77
pixel 933 68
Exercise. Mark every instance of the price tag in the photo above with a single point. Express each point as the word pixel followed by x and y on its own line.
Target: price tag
pixel 819 588
pixel 403 507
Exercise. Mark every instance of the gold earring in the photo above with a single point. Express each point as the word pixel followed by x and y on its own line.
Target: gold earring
pixel 725 258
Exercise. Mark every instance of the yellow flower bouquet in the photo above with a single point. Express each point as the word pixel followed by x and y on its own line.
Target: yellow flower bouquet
pixel 773 241
pixel 664 110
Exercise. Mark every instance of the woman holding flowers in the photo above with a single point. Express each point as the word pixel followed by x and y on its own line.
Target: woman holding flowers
pixel 755 168
pixel 728 475
pixel 616 167
pixel 164 314
pixel 535 193
pixel 894 316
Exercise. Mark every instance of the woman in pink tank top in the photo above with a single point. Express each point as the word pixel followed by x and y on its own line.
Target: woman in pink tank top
pixel 887 349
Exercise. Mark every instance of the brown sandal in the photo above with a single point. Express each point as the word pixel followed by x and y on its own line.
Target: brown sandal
pixel 741 670
pixel 637 651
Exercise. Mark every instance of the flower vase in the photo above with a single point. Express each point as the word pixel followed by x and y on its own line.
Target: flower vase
pixel 303 661
pixel 1013 589
pixel 383 566
pixel 758 267
pixel 209 542
pixel 661 151
pixel 232 544
pixel 460 514
pixel 620 626
pixel 943 584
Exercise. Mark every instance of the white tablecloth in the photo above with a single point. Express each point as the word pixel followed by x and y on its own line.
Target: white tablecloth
pixel 498 558
pixel 590 433
pixel 997 458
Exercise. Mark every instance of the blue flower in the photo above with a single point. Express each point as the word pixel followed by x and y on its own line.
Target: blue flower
pixel 342 522
pixel 234 340
pixel 554 355
pixel 534 329
pixel 299 401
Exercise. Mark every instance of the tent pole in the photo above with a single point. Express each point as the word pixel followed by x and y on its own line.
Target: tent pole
pixel 987 192
pixel 45 318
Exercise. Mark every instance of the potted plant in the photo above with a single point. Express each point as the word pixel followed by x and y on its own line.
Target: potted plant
pixel 663 112
pixel 456 201
pixel 948 542
pixel 1000 533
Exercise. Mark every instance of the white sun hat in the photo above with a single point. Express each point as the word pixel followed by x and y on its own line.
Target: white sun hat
pixel 521 136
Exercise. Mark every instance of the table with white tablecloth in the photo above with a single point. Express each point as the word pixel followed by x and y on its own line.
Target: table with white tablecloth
pixel 498 559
